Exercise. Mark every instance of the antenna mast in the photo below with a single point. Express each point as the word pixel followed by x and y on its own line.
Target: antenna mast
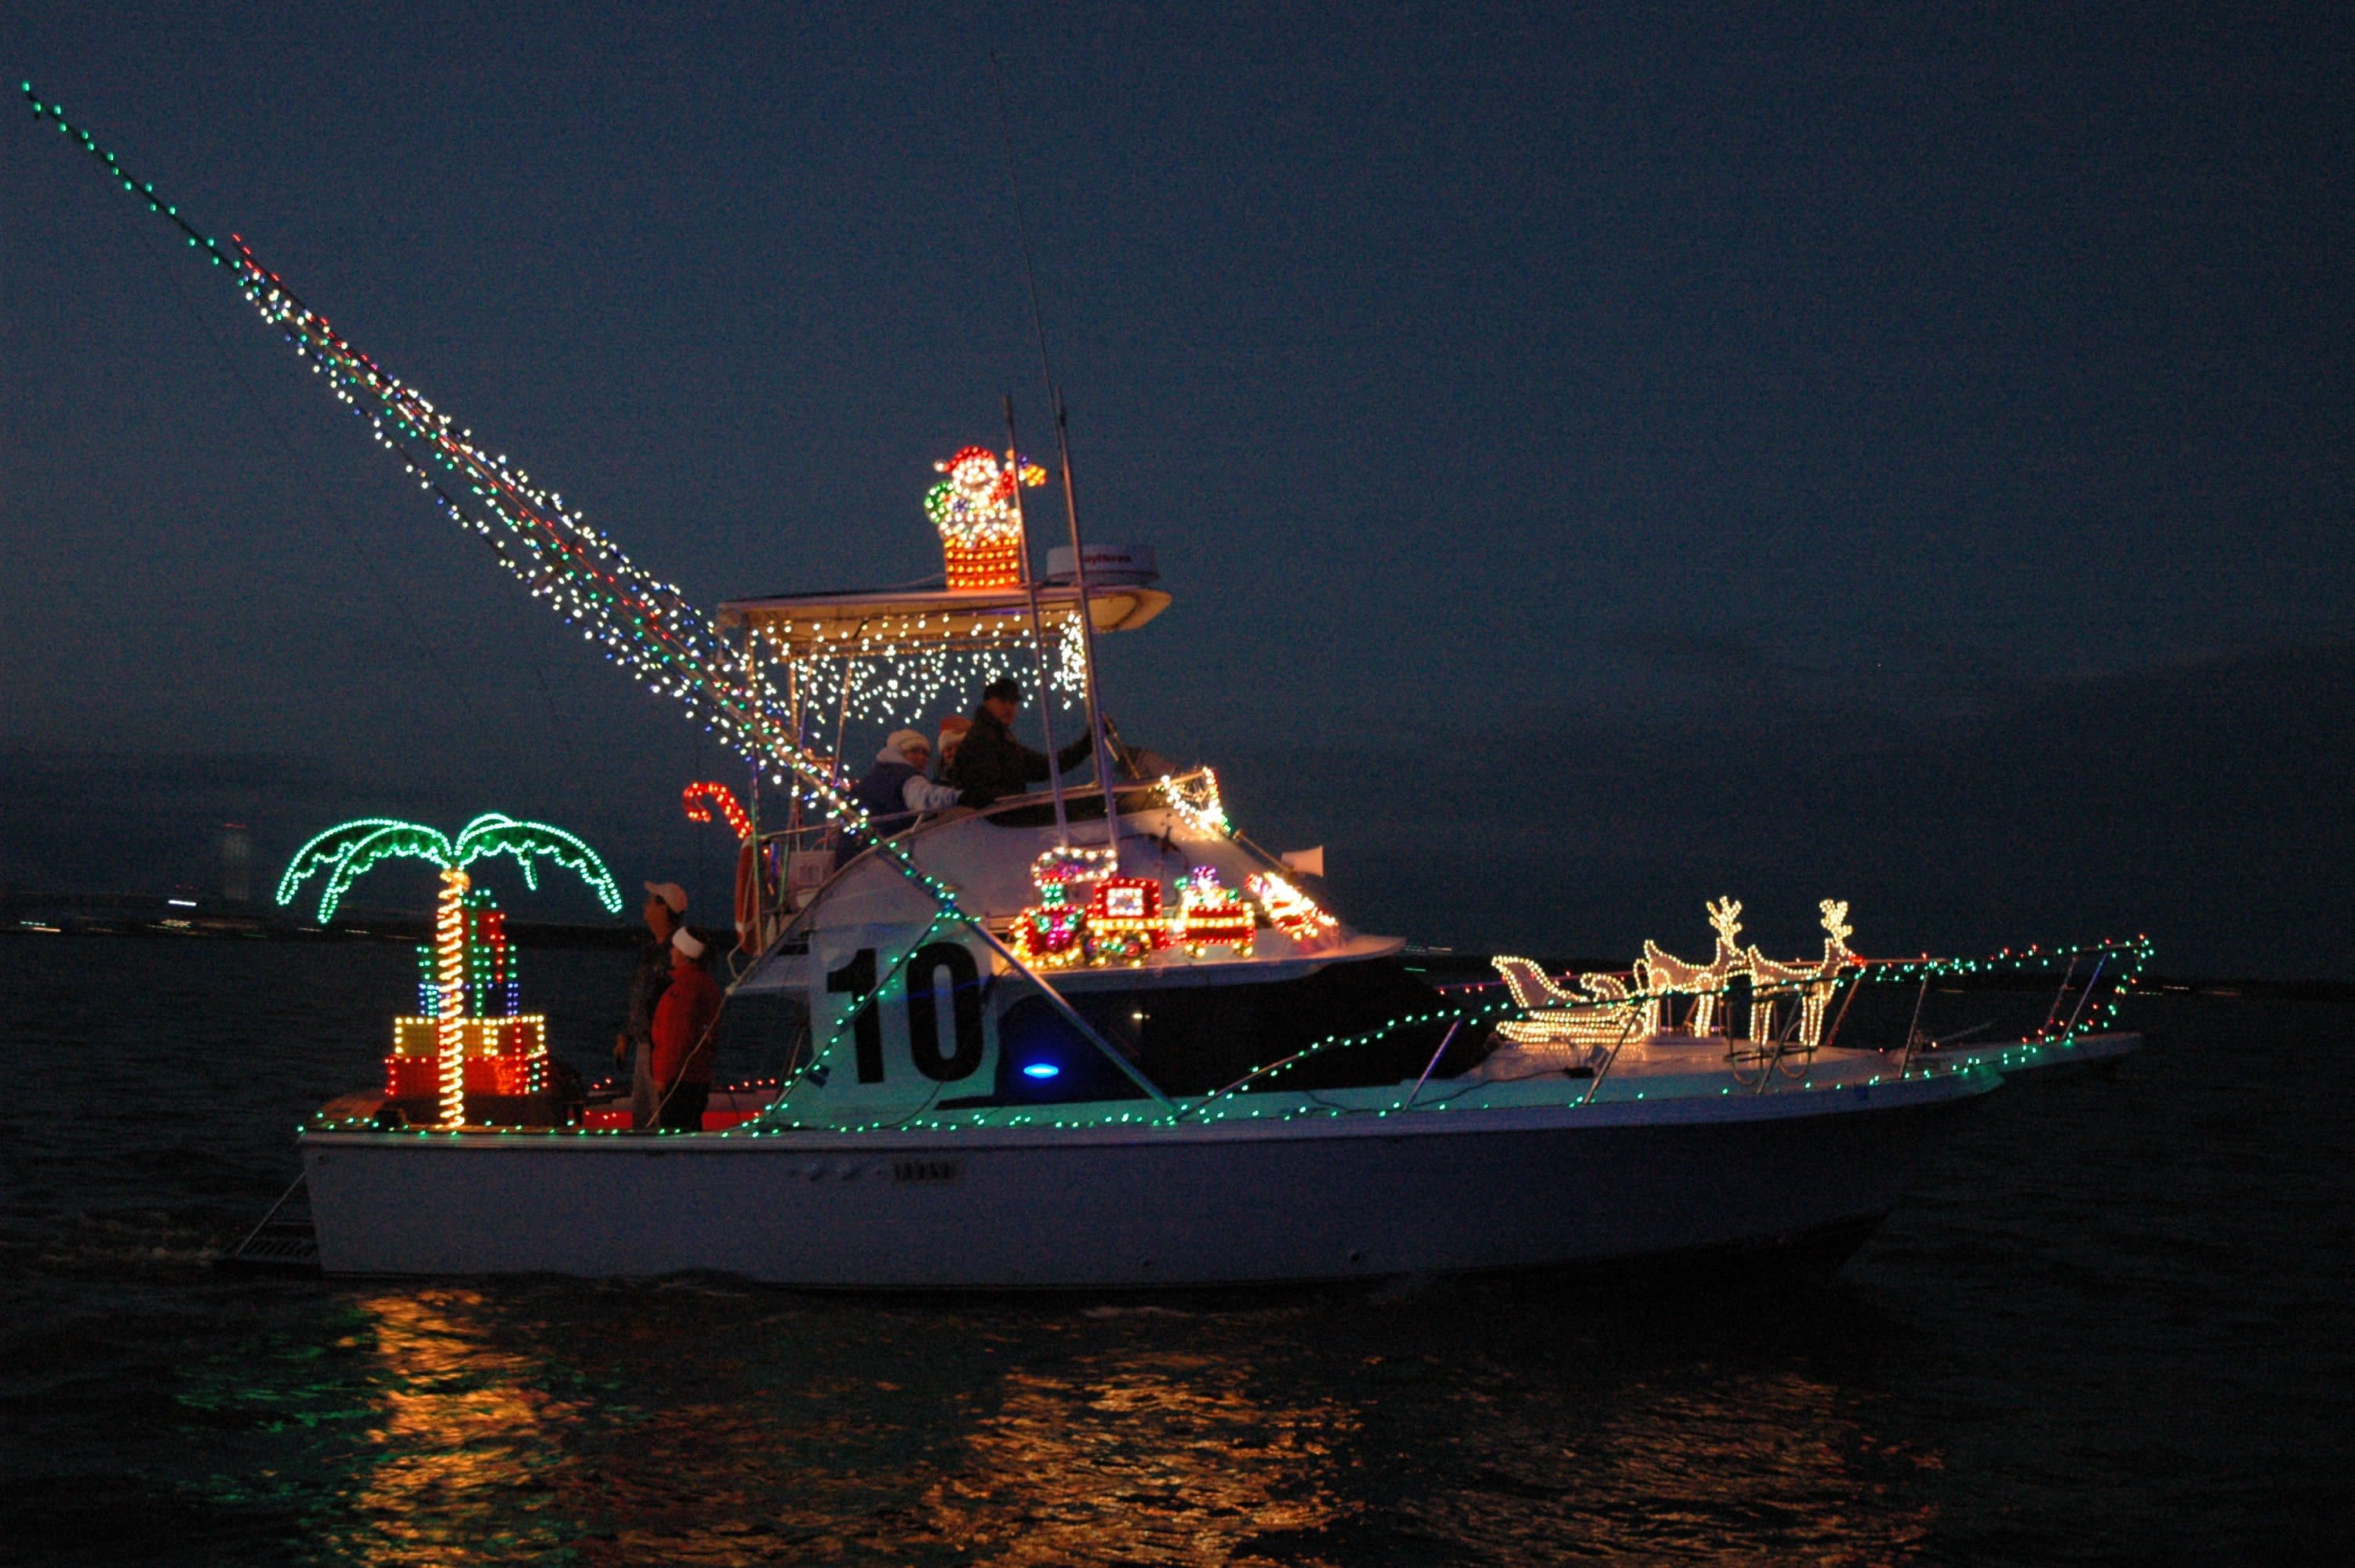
pixel 1085 613
pixel 1038 632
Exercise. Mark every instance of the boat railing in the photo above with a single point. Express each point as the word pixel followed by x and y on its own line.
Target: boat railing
pixel 1754 1062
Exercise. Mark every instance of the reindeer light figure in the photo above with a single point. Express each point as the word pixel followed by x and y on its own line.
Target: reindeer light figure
pixel 1813 982
pixel 1664 974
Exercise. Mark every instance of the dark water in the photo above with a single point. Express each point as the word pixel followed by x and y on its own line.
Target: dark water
pixel 2113 1325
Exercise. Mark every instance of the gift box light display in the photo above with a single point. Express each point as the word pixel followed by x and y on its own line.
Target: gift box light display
pixel 506 1052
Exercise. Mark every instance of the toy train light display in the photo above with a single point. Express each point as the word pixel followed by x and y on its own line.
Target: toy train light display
pixel 1125 925
pixel 1125 920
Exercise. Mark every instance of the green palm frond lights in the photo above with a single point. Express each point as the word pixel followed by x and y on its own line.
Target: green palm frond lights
pixel 349 851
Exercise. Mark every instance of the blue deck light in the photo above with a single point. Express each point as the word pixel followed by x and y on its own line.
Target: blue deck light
pixel 1041 1070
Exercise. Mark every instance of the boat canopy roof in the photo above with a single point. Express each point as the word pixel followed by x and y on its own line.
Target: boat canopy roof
pixel 922 615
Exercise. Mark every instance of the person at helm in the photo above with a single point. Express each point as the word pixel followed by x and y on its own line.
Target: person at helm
pixel 992 764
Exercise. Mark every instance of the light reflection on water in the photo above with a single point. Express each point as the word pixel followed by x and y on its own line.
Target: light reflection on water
pixel 463 1435
pixel 706 1422
pixel 1178 1462
pixel 2036 1360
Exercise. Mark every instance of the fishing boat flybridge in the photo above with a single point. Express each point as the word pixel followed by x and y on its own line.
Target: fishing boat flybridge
pixel 1094 1036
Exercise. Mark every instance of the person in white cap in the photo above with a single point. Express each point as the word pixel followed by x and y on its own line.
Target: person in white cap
pixel 895 790
pixel 649 977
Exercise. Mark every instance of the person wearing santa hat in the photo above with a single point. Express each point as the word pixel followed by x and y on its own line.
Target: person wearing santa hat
pixel 682 1043
pixel 952 733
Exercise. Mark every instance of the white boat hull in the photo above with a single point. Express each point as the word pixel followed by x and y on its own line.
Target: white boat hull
pixel 1240 1202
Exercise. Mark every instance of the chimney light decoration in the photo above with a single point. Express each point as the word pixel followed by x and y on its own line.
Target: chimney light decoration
pixel 981 529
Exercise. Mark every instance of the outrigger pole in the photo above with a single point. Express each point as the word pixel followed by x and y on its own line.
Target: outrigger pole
pixel 1087 630
pixel 1038 633
pixel 644 624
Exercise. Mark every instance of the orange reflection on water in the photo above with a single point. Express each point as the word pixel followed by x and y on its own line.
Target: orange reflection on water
pixel 465 1440
pixel 703 1432
pixel 1174 1462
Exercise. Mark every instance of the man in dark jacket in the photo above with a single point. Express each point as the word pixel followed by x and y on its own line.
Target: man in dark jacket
pixel 992 764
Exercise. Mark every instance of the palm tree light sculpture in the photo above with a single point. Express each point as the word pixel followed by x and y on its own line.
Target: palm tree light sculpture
pixel 348 850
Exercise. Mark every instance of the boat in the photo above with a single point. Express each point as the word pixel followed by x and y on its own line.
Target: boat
pixel 1040 1055
pixel 1093 1037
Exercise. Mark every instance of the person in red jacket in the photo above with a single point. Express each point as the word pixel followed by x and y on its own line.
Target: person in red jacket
pixel 682 1036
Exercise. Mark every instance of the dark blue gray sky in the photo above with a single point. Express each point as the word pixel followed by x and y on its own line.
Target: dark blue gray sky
pixel 1503 393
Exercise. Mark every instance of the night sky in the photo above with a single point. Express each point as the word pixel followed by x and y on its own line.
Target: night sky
pixel 1899 453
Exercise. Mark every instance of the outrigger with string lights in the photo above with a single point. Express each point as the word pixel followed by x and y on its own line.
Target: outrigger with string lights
pixel 1097 1037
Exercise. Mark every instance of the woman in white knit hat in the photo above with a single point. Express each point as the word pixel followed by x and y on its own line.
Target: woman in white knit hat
pixel 895 790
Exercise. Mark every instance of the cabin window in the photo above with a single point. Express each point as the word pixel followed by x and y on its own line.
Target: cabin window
pixel 1192 1040
pixel 1195 1040
pixel 1043 1060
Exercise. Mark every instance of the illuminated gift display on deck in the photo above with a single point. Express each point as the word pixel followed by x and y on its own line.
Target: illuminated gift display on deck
pixel 502 1056
pixel 503 1051
pixel 980 524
